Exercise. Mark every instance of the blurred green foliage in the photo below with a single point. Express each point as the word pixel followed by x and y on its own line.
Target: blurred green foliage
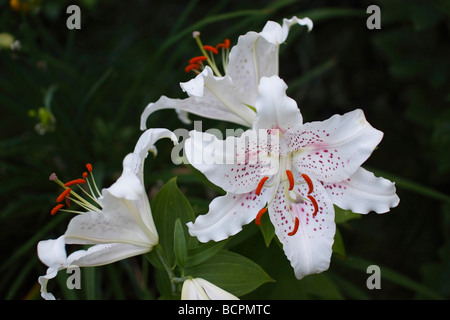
pixel 68 97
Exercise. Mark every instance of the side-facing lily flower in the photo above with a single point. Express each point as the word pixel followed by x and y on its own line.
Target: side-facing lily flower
pixel 118 222
pixel 312 166
pixel 230 97
pixel 200 289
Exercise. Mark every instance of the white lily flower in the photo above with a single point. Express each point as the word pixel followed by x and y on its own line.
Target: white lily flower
pixel 119 226
pixel 200 289
pixel 230 97
pixel 313 166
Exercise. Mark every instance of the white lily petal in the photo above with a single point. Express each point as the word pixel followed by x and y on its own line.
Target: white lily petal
pixel 192 291
pixel 200 289
pixel 252 58
pixel 277 34
pixel 274 108
pixel 43 281
pixel 52 253
pixel 102 254
pixel 214 292
pixel 288 23
pixel 227 214
pixel 309 249
pixel 128 185
pixel 233 164
pixel 363 192
pixel 119 221
pixel 210 97
pixel 196 86
pixel 183 115
pixel 334 149
pixel 147 141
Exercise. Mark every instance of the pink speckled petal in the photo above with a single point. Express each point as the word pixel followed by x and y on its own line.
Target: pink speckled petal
pixel 334 149
pixel 252 58
pixel 227 214
pixel 363 192
pixel 309 249
pixel 233 164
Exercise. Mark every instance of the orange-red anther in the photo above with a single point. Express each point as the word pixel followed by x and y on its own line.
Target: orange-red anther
pixel 296 224
pixel 260 185
pixel 198 59
pixel 211 49
pixel 309 182
pixel 290 178
pixel 63 195
pixel 85 174
pixel 73 182
pixel 314 202
pixel 89 167
pixel 192 67
pixel 56 209
pixel 225 44
pixel 259 215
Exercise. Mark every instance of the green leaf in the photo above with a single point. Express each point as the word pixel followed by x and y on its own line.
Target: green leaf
pixel 320 285
pixel 168 205
pixel 203 252
pixel 232 272
pixel 342 215
pixel 267 229
pixel 179 244
pixel 338 245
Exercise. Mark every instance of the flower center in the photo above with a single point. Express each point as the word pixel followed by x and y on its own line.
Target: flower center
pixel 286 177
pixel 197 64
pixel 69 196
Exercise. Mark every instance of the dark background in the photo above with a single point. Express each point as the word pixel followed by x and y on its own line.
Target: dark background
pixel 96 81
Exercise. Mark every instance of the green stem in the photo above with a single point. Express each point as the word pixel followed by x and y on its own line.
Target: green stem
pixel 168 269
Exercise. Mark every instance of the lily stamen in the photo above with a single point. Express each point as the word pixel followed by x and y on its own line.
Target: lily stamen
pixel 89 167
pixel 224 45
pixel 211 49
pixel 314 202
pixel 63 195
pixel 260 185
pixel 69 195
pixel 309 182
pixel 197 59
pixel 208 52
pixel 56 209
pixel 290 178
pixel 259 215
pixel 296 224
pixel 74 182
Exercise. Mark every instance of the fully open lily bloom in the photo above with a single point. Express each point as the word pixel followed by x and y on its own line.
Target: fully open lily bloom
pixel 230 97
pixel 318 165
pixel 118 221
pixel 200 289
